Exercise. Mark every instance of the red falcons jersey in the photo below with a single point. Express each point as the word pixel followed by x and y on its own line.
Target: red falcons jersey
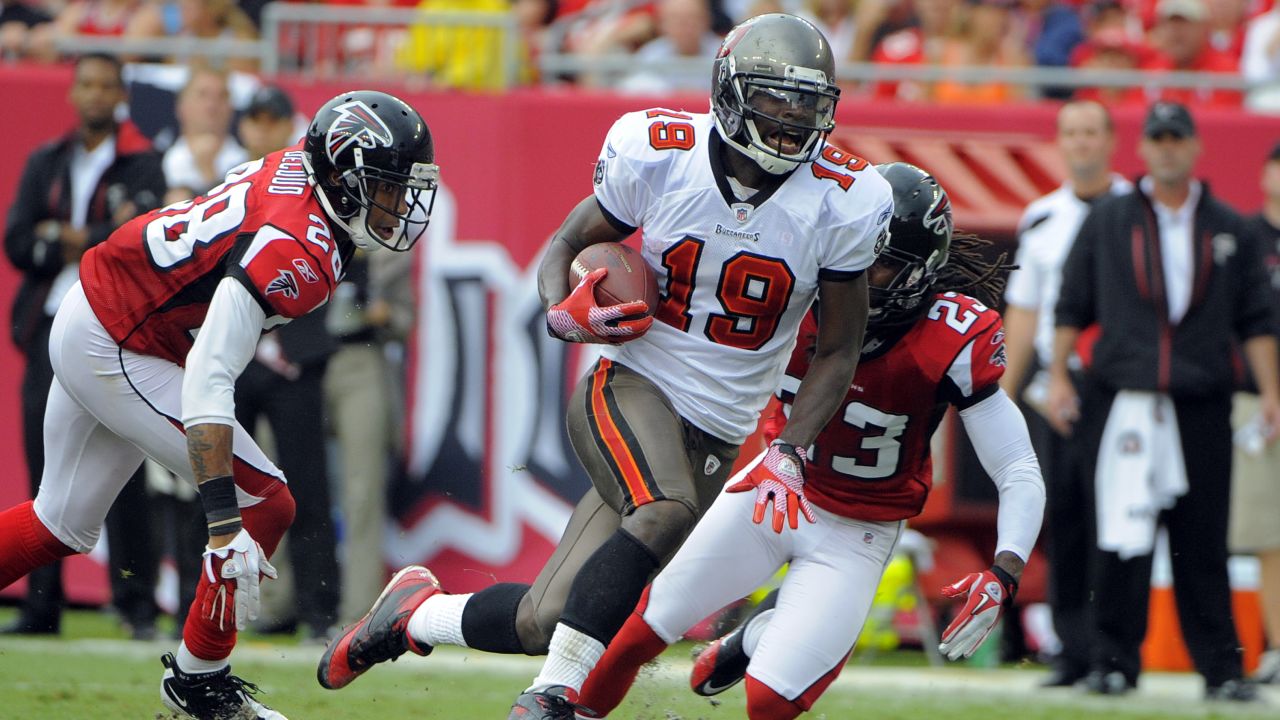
pixel 151 282
pixel 871 462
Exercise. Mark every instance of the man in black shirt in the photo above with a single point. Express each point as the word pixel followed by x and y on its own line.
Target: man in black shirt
pixel 1173 278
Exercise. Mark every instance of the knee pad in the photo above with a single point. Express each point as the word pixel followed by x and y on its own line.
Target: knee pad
pixel 661 526
pixel 269 519
pixel 490 619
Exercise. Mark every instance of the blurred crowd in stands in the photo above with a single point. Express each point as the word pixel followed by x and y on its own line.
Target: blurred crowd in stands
pixel 1237 38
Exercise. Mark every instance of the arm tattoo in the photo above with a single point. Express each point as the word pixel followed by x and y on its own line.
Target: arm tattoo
pixel 209 450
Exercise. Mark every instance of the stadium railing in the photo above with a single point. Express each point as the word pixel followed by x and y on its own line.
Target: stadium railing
pixel 286 27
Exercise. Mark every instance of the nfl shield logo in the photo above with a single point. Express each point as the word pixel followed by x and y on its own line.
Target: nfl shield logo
pixel 742 212
pixel 868 537
pixel 713 464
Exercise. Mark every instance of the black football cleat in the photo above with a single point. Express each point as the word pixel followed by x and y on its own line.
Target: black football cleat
pixel 217 695
pixel 380 635
pixel 557 702
pixel 722 664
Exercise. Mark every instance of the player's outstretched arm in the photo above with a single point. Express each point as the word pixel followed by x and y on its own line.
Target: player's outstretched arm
pixel 842 322
pixel 585 225
pixel 1000 439
pixel 222 349
pixel 777 476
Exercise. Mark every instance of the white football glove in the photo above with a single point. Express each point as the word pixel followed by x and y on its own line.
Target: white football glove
pixel 236 568
pixel 986 594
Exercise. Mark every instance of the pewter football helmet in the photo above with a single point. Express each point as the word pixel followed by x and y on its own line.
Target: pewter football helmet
pixel 773 91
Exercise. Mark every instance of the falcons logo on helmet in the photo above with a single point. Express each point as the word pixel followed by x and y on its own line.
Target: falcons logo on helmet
pixel 939 218
pixel 356 124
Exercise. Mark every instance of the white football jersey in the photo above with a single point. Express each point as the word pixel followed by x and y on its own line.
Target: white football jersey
pixel 736 276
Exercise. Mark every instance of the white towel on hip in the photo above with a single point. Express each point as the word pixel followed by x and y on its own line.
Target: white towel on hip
pixel 1140 471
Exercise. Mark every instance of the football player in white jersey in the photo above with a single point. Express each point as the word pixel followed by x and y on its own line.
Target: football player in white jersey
pixel 747 215
pixel 928 346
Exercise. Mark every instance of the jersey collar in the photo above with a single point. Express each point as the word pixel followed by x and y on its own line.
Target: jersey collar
pixel 721 173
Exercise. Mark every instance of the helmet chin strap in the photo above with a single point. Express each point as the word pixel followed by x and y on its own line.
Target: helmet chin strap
pixel 357 229
pixel 771 164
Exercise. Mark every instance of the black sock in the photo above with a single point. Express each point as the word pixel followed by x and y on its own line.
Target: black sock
pixel 489 619
pixel 608 587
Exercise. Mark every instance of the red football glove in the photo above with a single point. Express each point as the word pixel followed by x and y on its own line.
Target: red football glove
pixel 988 593
pixel 778 476
pixel 579 319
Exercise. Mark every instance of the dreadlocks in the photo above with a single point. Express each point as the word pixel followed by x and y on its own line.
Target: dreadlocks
pixel 968 271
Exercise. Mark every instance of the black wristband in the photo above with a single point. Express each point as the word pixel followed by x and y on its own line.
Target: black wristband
pixel 221 511
pixel 786 447
pixel 1009 582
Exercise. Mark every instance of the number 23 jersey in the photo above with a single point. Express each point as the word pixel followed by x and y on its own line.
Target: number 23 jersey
pixel 871 461
pixel 151 282
pixel 736 275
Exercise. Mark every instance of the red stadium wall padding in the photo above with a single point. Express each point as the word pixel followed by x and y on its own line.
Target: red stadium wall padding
pixel 483 371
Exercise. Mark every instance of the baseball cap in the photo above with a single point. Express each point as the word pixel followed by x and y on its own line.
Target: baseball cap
pixel 1188 9
pixel 1168 117
pixel 271 100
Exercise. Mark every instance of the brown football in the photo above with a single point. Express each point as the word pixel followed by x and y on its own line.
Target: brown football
pixel 629 279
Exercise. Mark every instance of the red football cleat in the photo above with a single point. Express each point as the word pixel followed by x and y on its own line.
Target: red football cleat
pixel 382 634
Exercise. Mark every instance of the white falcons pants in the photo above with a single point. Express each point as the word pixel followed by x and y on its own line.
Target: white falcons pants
pixel 826 594
pixel 108 408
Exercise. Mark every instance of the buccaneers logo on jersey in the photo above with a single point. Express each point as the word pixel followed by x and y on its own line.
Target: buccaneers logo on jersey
pixel 357 124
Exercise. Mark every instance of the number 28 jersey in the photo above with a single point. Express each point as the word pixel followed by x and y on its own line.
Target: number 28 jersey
pixel 151 282
pixel 871 461
pixel 736 275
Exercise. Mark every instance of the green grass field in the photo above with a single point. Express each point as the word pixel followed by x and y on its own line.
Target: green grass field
pixel 92 672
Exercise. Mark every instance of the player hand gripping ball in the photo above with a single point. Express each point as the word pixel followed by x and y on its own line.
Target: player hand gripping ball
pixel 579 319
pixel 778 476
pixel 234 572
pixel 986 595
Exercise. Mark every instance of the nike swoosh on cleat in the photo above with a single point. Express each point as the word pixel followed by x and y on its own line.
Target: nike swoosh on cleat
pixel 181 701
pixel 714 689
